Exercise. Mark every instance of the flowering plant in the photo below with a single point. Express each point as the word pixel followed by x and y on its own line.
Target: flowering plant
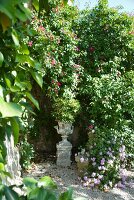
pixel 107 160
pixel 82 156
pixel 106 92
pixel 82 161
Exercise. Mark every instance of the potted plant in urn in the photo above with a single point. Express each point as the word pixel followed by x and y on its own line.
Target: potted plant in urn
pixel 65 111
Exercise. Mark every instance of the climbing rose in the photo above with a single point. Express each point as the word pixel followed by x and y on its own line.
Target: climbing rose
pixel 59 84
pixel 91 49
pixel 90 126
pixel 41 28
pixel 94 163
pixel 53 62
pixel 30 43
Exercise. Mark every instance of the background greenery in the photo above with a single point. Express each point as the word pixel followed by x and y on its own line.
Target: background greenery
pixel 56 56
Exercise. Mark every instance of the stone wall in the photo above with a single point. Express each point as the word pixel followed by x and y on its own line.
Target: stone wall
pixel 12 159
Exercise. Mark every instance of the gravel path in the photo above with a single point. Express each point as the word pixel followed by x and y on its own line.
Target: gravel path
pixel 68 177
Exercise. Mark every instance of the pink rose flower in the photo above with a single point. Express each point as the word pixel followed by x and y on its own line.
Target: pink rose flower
pixel 90 126
pixel 59 84
pixel 41 28
pixel 30 43
pixel 91 49
pixel 53 62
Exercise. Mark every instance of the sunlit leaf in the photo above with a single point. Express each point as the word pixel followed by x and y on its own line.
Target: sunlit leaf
pixel 24 49
pixel 47 182
pixel 15 128
pixel 10 194
pixel 15 37
pixel 7 80
pixel 36 4
pixel 24 59
pixel 30 182
pixel 1 59
pixel 41 194
pixel 2 168
pixel 9 109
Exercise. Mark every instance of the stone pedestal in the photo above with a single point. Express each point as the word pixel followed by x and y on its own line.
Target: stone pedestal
pixel 64 147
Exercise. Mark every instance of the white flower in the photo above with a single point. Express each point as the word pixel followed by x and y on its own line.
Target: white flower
pixel 93 174
pixel 81 159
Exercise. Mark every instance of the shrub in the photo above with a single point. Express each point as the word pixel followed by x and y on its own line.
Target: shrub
pixel 26 153
pixel 108 156
pixel 106 91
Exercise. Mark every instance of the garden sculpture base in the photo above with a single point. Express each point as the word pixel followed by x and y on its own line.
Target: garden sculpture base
pixel 64 147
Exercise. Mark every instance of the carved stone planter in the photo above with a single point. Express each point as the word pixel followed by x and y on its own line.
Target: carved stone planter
pixel 64 147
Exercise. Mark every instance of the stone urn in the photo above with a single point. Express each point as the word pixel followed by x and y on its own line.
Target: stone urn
pixel 64 147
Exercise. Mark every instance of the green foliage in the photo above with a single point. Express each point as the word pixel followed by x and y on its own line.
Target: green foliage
pixel 109 151
pixel 16 69
pixel 106 91
pixel 87 59
pixel 44 189
pixel 66 195
pixel 106 52
pixel 11 11
pixel 26 153
pixel 52 42
pixel 65 110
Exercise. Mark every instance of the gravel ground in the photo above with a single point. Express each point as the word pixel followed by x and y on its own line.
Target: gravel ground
pixel 68 177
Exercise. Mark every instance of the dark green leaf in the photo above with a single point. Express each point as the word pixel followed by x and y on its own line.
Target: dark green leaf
pixel 10 194
pixel 1 190
pixel 1 59
pixel 41 194
pixel 67 195
pixel 38 78
pixel 32 99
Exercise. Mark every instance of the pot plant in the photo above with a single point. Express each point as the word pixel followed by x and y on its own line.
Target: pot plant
pixel 65 111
